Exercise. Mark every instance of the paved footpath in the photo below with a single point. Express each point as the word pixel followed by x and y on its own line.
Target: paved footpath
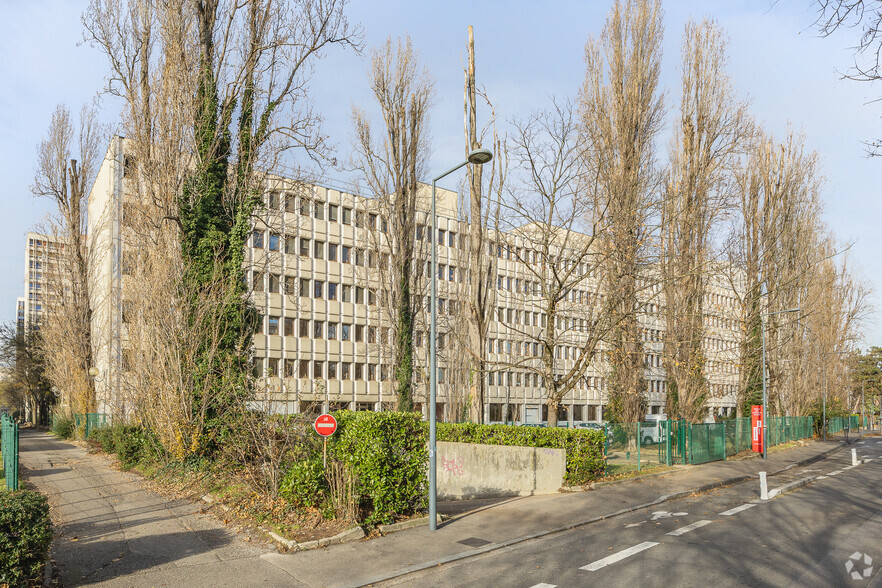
pixel 113 532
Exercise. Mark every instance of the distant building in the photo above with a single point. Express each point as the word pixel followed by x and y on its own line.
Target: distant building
pixel 42 256
pixel 20 313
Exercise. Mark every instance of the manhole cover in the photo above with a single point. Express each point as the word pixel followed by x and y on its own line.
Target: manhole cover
pixel 474 542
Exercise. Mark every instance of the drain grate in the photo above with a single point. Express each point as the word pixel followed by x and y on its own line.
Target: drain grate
pixel 475 542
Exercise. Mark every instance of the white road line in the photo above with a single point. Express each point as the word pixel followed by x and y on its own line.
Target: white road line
pixel 687 528
pixel 544 585
pixel 821 478
pixel 616 557
pixel 737 509
pixel 834 473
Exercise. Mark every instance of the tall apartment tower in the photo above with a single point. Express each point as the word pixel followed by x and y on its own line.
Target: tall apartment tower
pixel 42 254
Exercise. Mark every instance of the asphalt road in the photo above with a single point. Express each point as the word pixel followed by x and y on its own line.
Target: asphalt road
pixel 729 537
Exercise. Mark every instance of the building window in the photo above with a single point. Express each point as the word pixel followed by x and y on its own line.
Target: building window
pixel 318 370
pixel 304 287
pixel 318 249
pixel 346 293
pixel 319 210
pixel 274 283
pixel 274 241
pixel 304 246
pixel 290 244
pixel 304 368
pixel 304 206
pixel 289 327
pixel 332 370
pixel 359 371
pixel 318 289
pixel 495 412
pixel 257 239
pixel 332 212
pixel 290 364
pixel 273 326
pixel 290 285
pixel 332 331
pixel 344 254
pixel 257 281
pixel 332 291
pixel 344 370
pixel 318 328
pixel 359 333
pixel 359 295
pixel 290 203
pixel 451 239
pixel 371 372
pixel 304 327
pixel 272 367
pixel 273 201
pixel 332 252
pixel 347 216
pixel 344 332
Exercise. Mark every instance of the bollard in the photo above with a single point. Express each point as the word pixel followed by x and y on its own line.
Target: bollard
pixel 764 488
pixel 854 460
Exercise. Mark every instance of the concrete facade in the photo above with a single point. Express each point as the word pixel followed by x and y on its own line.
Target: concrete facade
pixel 315 265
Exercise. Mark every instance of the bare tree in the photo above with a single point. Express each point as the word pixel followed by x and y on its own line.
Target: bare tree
pixel 63 176
pixel 548 226
pixel 480 264
pixel 711 127
pixel 391 166
pixel 621 110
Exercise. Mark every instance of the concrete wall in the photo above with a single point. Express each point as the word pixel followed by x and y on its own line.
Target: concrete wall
pixel 470 470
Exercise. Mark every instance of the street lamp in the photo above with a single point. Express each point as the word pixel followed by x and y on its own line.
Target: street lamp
pixel 765 377
pixel 478 157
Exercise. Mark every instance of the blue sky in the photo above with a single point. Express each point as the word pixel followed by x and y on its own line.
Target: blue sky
pixel 526 53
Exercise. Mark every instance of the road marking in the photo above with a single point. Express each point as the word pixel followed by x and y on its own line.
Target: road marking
pixel 616 557
pixel 737 509
pixel 663 514
pixel 544 585
pixel 821 478
pixel 687 528
pixel 634 524
pixel 834 473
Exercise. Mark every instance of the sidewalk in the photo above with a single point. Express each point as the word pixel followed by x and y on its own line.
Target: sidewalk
pixel 514 520
pixel 113 532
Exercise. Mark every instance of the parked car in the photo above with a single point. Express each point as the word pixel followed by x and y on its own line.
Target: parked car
pixel 596 427
pixel 651 430
pixel 533 424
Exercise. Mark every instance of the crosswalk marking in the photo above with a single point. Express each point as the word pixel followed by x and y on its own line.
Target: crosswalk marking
pixel 616 557
pixel 737 509
pixel 687 528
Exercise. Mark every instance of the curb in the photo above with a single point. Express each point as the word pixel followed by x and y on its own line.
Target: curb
pixel 662 499
pixel 408 524
pixel 353 534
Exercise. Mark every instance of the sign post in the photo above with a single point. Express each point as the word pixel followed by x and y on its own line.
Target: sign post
pixel 756 427
pixel 325 425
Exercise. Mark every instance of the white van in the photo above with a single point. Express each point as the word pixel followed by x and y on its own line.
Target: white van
pixel 651 430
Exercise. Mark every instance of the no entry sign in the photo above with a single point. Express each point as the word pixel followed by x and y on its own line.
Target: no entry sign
pixel 325 425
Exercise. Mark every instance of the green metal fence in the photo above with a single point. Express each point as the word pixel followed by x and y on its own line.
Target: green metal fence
pixel 707 442
pixel 89 421
pixel 634 446
pixel 9 450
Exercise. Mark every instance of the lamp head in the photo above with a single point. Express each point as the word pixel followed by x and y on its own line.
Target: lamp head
pixel 93 371
pixel 480 156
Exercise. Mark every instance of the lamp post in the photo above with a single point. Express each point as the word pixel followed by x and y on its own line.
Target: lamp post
pixel 765 377
pixel 478 157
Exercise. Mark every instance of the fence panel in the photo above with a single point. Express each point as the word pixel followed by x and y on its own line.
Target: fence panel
pixel 9 445
pixel 737 435
pixel 707 442
pixel 89 421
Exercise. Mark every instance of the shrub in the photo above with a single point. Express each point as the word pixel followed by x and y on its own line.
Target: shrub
pixel 584 447
pixel 63 426
pixel 102 437
pixel 388 455
pixel 128 444
pixel 304 483
pixel 25 534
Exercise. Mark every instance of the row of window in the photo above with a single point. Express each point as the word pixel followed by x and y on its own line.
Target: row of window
pixel 331 370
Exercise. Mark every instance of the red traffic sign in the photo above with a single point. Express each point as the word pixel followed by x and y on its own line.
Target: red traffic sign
pixel 325 425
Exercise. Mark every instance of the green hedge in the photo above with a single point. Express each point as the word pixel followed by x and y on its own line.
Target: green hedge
pixel 25 534
pixel 128 442
pixel 584 447
pixel 388 453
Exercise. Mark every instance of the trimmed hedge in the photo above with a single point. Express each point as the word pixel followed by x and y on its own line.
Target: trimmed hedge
pixel 128 442
pixel 388 453
pixel 585 447
pixel 25 534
